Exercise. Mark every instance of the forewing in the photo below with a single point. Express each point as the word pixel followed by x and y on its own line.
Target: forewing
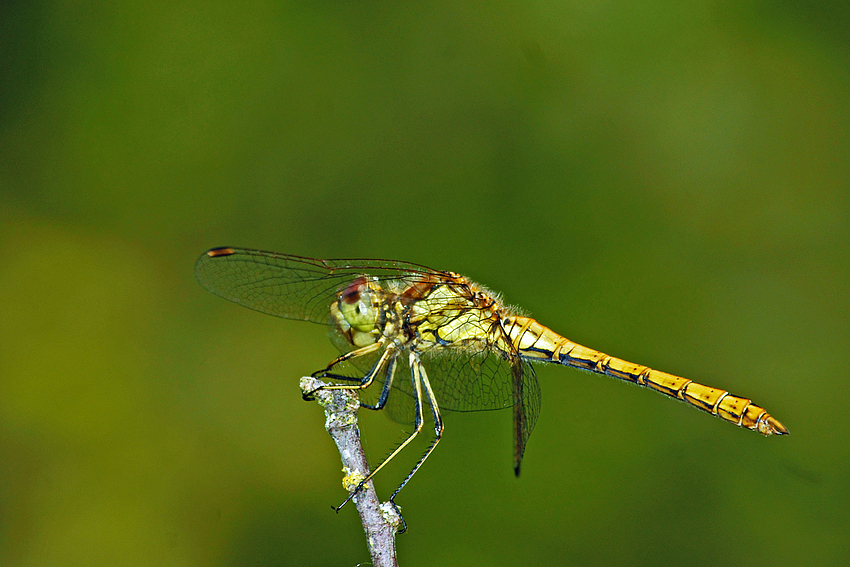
pixel 296 287
pixel 293 287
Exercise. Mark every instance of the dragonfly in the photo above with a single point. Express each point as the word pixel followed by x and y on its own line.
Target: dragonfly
pixel 414 339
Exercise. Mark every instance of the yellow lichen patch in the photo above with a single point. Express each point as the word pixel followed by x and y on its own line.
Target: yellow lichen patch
pixel 351 480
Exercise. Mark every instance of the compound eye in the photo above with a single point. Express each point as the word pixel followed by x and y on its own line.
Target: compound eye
pixel 355 305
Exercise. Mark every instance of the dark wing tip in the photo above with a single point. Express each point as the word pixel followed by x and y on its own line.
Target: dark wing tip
pixel 216 252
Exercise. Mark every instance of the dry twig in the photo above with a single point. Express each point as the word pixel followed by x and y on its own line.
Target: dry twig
pixel 380 521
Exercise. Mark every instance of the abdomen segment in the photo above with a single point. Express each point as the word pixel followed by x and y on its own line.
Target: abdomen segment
pixel 537 342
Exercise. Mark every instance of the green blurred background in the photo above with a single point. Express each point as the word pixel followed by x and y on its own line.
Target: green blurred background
pixel 668 182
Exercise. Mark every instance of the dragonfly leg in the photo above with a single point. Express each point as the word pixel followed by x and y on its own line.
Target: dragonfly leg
pixel 385 391
pixel 415 372
pixel 348 356
pixel 438 422
pixel 367 380
pixel 359 383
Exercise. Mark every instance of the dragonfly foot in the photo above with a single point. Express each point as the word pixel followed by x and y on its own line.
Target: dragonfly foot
pixel 310 396
pixel 402 527
pixel 347 500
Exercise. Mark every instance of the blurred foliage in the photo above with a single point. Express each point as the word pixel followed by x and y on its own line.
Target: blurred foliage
pixel 667 182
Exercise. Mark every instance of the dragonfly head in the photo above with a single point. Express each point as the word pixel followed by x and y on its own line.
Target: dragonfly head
pixel 355 315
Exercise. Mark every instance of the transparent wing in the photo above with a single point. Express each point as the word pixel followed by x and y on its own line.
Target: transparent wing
pixel 289 286
pixel 464 381
pixel 296 287
pixel 488 381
